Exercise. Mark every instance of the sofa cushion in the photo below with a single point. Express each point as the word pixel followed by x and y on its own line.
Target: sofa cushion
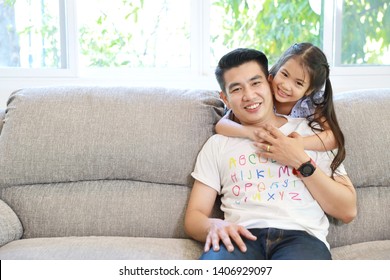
pixel 374 250
pixel 363 117
pixel 130 248
pixel 113 207
pixel 60 134
pixel 10 226
pixel 101 248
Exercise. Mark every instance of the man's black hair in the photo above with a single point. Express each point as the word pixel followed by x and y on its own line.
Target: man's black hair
pixel 236 58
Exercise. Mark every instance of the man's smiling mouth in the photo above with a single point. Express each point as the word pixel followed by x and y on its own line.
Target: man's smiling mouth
pixel 253 106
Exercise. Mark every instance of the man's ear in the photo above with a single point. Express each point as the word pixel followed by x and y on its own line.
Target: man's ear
pixel 224 98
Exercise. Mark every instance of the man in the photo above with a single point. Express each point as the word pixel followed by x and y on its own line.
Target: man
pixel 274 204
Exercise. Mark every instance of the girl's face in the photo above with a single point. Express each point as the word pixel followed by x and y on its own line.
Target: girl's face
pixel 290 83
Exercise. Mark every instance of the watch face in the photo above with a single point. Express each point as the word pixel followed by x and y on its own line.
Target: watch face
pixel 307 169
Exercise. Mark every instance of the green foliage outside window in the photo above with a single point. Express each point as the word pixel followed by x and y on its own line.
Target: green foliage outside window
pixel 276 25
pixel 102 43
pixel 269 25
pixel 365 21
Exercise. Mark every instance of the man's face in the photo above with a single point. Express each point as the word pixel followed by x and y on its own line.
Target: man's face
pixel 248 94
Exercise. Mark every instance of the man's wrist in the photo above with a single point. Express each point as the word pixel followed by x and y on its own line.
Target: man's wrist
pixel 306 169
pixel 300 161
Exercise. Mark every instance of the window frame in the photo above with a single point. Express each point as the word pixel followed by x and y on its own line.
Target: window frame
pixel 201 74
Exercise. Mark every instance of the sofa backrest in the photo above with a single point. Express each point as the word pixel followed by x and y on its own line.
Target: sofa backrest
pixel 103 160
pixel 364 118
pixel 63 134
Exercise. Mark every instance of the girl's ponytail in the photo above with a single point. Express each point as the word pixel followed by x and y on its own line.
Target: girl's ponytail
pixel 326 116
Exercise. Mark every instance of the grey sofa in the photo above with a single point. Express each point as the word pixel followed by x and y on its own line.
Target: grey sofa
pixel 104 172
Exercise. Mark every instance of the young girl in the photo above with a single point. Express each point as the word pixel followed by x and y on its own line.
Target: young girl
pixel 297 80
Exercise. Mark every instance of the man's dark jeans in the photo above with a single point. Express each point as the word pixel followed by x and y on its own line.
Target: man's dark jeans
pixel 275 244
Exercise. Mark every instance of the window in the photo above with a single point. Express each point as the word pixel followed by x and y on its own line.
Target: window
pixel 134 33
pixel 58 38
pixel 362 33
pixel 30 34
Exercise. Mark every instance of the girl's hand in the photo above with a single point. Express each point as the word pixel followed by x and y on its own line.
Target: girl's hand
pixel 286 150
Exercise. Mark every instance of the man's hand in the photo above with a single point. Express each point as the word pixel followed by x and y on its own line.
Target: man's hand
pixel 226 232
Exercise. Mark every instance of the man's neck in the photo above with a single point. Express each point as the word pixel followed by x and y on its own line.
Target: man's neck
pixel 276 121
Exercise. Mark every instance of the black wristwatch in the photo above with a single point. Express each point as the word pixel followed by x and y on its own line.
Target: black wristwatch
pixel 306 169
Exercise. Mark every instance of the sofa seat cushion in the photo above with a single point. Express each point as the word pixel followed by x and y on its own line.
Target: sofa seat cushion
pixel 126 248
pixel 373 250
pixel 101 248
pixel 99 208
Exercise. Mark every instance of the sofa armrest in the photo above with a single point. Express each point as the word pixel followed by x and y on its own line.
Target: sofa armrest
pixel 10 225
pixel 2 116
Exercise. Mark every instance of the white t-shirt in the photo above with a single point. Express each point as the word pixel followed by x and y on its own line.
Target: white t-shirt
pixel 259 192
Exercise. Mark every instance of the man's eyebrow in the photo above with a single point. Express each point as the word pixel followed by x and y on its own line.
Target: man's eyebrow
pixel 233 85
pixel 257 77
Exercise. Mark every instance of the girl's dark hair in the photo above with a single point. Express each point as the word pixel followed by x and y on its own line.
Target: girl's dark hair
pixel 236 58
pixel 314 61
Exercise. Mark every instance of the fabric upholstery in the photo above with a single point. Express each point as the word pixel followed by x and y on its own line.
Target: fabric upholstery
pixel 104 172
pixel 101 248
pixel 10 226
pixel 115 208
pixel 129 248
pixel 97 133
pixel 374 250
pixel 371 222
pixel 363 117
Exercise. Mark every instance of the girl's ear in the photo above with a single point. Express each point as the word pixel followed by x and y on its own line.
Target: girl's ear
pixel 270 78
pixel 224 98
